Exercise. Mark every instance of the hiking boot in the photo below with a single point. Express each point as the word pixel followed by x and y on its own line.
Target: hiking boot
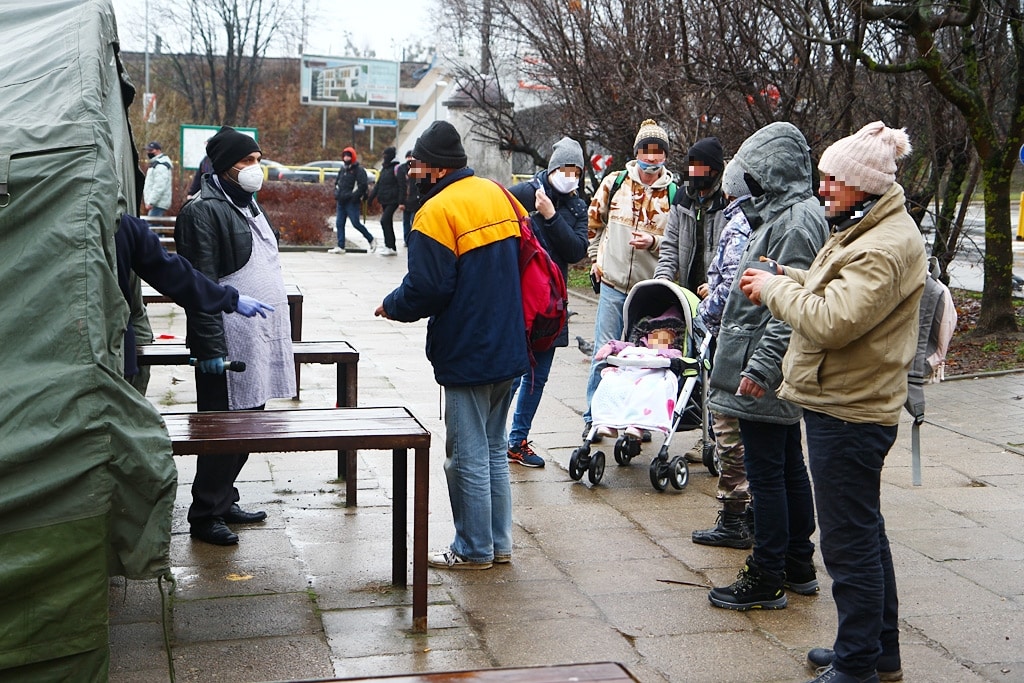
pixel 524 455
pixel 800 576
pixel 696 454
pixel 449 559
pixel 730 531
pixel 753 589
pixel 888 666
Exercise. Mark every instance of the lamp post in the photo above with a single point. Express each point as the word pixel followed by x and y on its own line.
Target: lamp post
pixel 438 86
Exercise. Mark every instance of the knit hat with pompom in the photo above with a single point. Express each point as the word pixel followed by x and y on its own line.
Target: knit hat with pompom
pixel 867 159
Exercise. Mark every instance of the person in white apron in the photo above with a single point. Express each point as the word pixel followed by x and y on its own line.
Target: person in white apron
pixel 226 236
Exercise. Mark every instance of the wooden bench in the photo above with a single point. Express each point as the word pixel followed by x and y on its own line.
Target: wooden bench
pixel 340 429
pixel 152 296
pixel 323 352
pixel 591 672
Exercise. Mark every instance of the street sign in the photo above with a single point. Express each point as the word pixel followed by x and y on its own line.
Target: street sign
pixel 1020 154
pixel 406 115
pixel 386 123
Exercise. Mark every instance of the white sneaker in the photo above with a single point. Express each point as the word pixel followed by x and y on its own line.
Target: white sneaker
pixel 387 251
pixel 336 250
pixel 448 559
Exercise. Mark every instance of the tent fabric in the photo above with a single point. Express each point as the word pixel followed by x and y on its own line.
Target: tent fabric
pixel 85 460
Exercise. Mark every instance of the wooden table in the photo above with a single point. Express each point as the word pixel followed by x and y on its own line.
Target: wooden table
pixel 152 296
pixel 591 672
pixel 336 429
pixel 340 353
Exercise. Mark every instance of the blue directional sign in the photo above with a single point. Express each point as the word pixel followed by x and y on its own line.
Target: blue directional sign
pixel 377 122
pixel 406 115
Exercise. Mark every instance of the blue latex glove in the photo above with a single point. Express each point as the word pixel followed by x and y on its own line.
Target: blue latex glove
pixel 249 307
pixel 212 366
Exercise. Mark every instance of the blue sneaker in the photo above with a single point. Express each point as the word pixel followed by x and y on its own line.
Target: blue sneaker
pixel 524 455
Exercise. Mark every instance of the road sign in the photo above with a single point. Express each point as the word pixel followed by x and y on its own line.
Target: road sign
pixel 377 122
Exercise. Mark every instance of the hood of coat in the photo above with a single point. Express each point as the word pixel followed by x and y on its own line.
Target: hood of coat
pixel 352 151
pixel 778 158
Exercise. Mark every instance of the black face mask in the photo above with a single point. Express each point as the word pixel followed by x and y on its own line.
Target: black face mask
pixel 424 185
pixel 151 154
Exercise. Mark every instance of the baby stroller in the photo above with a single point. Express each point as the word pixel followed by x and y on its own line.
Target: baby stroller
pixel 648 300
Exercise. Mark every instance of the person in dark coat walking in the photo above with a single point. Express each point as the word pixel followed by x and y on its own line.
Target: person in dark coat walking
pixel 386 192
pixel 560 222
pixel 408 196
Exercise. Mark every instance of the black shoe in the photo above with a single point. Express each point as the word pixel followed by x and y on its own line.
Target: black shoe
pixel 889 668
pixel 830 675
pixel 800 576
pixel 730 531
pixel 753 589
pixel 237 515
pixel 213 530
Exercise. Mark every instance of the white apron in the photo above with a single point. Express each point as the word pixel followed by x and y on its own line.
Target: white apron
pixel 264 344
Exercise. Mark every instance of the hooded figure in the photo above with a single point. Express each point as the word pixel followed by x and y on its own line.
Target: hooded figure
pixel 349 191
pixel 388 194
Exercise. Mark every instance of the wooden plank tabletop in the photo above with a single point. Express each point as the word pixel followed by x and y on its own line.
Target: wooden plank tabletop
pixel 593 672
pixel 305 352
pixel 295 430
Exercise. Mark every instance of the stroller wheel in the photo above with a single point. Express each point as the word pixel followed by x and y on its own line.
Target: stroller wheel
pixel 680 473
pixel 659 474
pixel 710 459
pixel 596 470
pixel 621 456
pixel 576 469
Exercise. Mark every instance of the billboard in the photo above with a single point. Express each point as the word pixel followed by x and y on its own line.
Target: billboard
pixel 348 82
pixel 193 143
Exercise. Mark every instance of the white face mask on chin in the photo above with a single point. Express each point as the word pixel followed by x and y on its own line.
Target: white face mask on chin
pixel 562 182
pixel 250 178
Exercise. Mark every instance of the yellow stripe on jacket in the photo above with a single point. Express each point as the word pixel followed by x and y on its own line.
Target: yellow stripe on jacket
pixel 462 217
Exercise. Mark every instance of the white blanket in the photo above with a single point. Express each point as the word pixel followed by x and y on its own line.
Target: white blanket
pixel 635 397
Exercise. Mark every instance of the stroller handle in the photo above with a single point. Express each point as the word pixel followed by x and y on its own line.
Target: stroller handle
pixel 676 365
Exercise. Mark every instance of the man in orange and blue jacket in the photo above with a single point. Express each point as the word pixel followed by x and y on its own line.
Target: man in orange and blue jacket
pixel 464 275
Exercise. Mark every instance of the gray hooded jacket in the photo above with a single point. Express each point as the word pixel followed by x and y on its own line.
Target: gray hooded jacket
pixel 792 229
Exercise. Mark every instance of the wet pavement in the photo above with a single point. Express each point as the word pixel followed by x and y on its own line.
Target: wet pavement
pixel 598 573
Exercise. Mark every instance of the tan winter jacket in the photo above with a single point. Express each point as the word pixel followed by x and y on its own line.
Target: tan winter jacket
pixel 854 315
pixel 610 227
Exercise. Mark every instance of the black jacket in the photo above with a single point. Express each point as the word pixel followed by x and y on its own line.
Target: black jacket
pixel 564 235
pixel 408 192
pixel 350 185
pixel 216 238
pixel 386 190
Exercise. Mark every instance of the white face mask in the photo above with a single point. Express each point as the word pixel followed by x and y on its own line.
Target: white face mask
pixel 250 178
pixel 562 182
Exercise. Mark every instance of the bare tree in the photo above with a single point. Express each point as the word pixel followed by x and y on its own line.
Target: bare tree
pixel 217 50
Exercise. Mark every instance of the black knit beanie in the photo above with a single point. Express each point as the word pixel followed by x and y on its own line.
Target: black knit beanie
pixel 709 151
pixel 228 147
pixel 440 146
pixel 388 155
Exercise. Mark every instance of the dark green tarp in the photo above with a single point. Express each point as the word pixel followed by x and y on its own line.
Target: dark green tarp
pixel 86 476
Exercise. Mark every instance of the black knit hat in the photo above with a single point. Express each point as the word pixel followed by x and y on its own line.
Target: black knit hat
pixel 708 151
pixel 440 146
pixel 388 154
pixel 228 147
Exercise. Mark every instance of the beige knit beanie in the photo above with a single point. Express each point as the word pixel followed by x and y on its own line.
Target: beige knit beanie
pixel 651 133
pixel 867 159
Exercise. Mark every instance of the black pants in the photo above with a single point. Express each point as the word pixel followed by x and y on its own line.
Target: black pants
pixel 213 489
pixel 387 224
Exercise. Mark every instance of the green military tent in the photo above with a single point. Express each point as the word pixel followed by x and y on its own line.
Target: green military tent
pixel 86 476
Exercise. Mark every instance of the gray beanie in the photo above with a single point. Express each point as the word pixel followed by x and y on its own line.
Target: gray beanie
pixel 733 184
pixel 566 152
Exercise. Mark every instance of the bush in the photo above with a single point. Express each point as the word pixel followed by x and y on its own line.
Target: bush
pixel 300 211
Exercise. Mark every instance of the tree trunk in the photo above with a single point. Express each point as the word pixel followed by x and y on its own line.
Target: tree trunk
pixel 997 312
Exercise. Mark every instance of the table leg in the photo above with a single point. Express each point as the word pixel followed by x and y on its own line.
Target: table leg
pixel 399 549
pixel 347 396
pixel 295 318
pixel 420 509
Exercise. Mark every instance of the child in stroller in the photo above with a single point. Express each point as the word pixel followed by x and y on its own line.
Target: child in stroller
pixel 634 396
pixel 650 382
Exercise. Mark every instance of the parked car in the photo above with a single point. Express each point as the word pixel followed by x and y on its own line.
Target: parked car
pixel 312 173
pixel 272 169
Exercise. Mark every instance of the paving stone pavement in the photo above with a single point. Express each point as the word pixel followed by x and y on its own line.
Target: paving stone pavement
pixel 598 573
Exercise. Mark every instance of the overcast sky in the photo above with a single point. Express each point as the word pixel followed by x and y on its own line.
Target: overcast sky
pixel 383 25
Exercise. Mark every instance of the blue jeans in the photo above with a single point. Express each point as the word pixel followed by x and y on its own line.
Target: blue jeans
pixel 350 210
pixel 531 386
pixel 607 326
pixel 846 461
pixel 780 494
pixel 476 467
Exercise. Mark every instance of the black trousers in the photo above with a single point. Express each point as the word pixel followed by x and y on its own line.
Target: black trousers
pixel 387 224
pixel 213 489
